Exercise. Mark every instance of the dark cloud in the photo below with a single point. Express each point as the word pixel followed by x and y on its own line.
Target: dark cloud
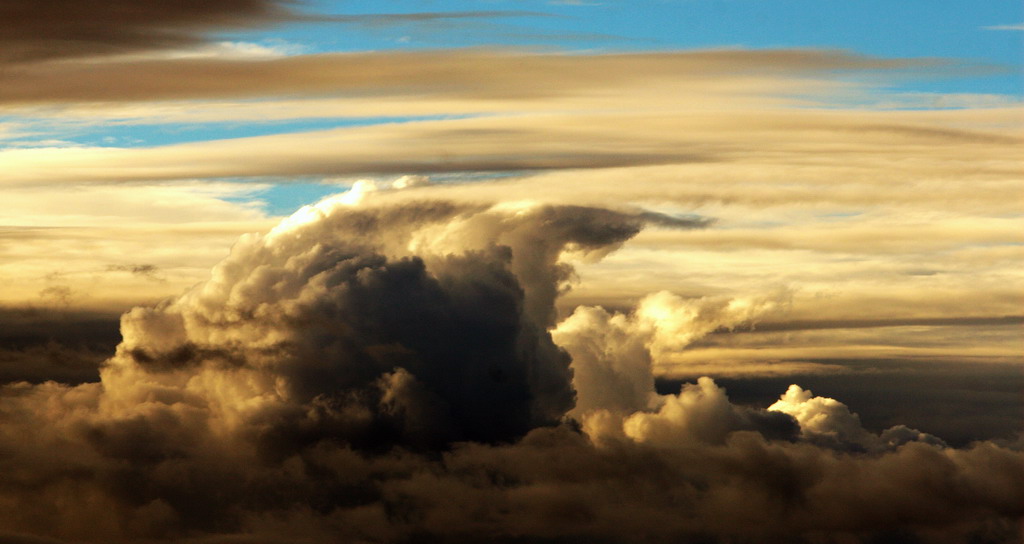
pixel 387 373
pixel 52 361
pixel 146 270
pixel 40 344
pixel 23 326
pixel 11 538
pixel 69 29
pixel 151 272
pixel 413 350
pixel 675 221
pixel 553 486
pixel 58 29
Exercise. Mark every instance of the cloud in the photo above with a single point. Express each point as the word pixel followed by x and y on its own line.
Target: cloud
pixel 485 76
pixel 830 422
pixel 436 360
pixel 376 369
pixel 85 234
pixel 960 401
pixel 700 412
pixel 39 344
pixel 372 19
pixel 558 142
pixel 1005 27
pixel 882 322
pixel 146 270
pixel 69 29
pixel 614 355
pixel 320 312
pixel 66 29
pixel 902 232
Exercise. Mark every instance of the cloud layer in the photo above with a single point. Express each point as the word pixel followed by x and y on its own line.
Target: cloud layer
pixel 373 371
pixel 456 76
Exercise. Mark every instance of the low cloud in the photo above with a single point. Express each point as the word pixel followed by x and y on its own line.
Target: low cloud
pixel 614 354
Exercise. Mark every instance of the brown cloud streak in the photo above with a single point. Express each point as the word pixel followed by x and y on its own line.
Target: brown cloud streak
pixel 57 29
pixel 453 74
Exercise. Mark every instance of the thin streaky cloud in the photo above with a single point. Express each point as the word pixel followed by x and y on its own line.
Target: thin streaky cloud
pixel 1019 26
pixel 484 73
pixel 68 29
pixel 425 16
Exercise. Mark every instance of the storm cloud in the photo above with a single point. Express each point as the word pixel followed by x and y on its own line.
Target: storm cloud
pixel 374 370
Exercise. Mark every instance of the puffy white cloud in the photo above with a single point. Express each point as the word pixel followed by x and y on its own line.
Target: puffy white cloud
pixel 611 360
pixel 614 354
pixel 821 417
pixel 829 422
pixel 700 412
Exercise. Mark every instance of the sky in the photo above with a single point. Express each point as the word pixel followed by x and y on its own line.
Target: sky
pixel 512 271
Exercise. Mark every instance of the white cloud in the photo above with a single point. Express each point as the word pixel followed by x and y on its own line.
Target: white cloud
pixel 829 422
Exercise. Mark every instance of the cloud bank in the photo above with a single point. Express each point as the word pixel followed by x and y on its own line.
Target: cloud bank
pixel 375 370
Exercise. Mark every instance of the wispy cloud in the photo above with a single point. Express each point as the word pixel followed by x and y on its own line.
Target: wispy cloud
pixel 1005 27
pixel 373 19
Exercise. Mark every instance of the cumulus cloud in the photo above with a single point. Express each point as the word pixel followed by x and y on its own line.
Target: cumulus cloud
pixel 829 422
pixel 614 354
pixel 380 370
pixel 425 308
pixel 700 412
